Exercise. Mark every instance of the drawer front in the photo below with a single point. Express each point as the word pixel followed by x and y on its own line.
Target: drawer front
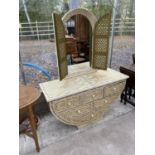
pixel 91 95
pixel 114 89
pixel 86 118
pixel 79 111
pixel 76 116
pixel 97 93
pixel 66 103
pixel 104 104
pixel 81 120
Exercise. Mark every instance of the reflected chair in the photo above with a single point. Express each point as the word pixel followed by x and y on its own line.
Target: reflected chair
pixel 71 46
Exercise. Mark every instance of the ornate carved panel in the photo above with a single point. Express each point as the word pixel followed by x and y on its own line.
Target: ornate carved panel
pixel 101 34
pixel 60 46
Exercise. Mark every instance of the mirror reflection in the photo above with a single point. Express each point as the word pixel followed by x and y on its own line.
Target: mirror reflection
pixel 78 39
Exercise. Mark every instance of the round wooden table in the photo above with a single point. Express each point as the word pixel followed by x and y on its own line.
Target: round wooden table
pixel 28 96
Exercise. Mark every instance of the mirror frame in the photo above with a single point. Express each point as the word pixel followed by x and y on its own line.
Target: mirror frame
pixel 89 15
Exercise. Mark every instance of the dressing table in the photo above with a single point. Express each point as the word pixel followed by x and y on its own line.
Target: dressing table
pixel 83 96
pixel 84 92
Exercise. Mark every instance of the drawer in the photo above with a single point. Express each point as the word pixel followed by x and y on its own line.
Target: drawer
pixel 66 103
pixel 91 95
pixel 79 111
pixel 80 120
pixel 91 117
pixel 77 115
pixel 104 104
pixel 114 89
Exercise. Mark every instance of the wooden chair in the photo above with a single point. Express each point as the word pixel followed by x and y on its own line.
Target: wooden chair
pixel 71 46
pixel 133 58
pixel 129 91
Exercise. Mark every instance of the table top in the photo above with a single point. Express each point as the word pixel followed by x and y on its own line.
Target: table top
pixel 80 78
pixel 27 95
pixel 129 67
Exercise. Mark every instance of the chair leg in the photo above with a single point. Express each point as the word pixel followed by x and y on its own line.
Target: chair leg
pixel 122 96
pixel 125 96
pixel 33 127
pixel 130 92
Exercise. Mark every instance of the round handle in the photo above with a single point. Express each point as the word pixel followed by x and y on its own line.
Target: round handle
pixel 93 96
pixel 115 88
pixel 69 103
pixel 105 101
pixel 79 111
pixel 92 115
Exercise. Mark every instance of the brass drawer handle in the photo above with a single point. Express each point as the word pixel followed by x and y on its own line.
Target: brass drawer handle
pixel 79 111
pixel 69 103
pixel 115 88
pixel 105 101
pixel 93 96
pixel 92 115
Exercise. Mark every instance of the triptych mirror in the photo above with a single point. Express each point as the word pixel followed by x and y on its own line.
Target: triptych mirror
pixel 82 36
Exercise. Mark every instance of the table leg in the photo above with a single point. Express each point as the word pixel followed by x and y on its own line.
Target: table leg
pixel 33 126
pixel 126 93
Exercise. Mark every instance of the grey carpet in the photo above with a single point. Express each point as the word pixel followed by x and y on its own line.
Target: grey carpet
pixel 115 137
pixel 51 131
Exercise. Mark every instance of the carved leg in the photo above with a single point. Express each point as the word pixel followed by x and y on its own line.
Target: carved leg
pixel 33 126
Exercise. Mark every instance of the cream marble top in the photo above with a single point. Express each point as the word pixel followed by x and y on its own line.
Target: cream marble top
pixel 80 78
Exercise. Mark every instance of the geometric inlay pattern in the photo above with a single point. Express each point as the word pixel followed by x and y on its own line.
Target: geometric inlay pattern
pixel 60 46
pixel 100 60
pixel 101 42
